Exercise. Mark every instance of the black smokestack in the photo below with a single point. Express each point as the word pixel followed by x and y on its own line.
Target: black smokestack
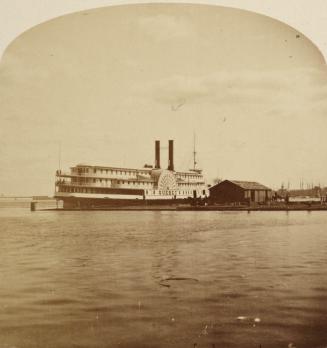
pixel 171 155
pixel 157 155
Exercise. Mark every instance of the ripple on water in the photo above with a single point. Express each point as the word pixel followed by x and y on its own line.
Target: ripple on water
pixel 92 280
pixel 56 302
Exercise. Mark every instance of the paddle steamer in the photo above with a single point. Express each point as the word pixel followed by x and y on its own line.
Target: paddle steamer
pixel 91 187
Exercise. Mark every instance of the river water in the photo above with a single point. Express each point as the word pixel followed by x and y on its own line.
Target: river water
pixel 162 279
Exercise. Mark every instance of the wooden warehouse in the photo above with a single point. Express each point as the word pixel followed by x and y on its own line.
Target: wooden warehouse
pixel 231 191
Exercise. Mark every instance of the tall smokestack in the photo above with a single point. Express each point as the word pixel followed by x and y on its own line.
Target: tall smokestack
pixel 157 155
pixel 171 155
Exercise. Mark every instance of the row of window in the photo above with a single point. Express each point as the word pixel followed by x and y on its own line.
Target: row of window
pixel 128 172
pixel 78 190
pixel 121 182
pixel 148 192
pixel 189 176
pixel 109 181
pixel 128 182
pixel 109 171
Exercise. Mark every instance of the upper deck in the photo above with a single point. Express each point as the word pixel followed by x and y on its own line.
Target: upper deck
pixel 153 180
pixel 138 174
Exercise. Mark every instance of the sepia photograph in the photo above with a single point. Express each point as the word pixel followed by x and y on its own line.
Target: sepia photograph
pixel 163 174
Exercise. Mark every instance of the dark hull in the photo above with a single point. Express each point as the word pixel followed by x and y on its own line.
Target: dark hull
pixel 96 203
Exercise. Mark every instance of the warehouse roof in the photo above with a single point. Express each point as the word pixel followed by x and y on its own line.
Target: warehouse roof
pixel 250 185
pixel 247 185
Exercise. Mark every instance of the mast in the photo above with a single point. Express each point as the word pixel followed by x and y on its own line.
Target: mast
pixel 194 153
pixel 59 155
pixel 194 169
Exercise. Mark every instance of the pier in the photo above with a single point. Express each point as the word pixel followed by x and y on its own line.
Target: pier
pixel 188 207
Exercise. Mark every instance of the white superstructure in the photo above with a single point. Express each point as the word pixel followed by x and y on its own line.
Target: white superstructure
pixel 85 182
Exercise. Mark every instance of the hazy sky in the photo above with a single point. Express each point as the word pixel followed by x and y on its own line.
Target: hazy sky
pixel 106 83
pixel 307 16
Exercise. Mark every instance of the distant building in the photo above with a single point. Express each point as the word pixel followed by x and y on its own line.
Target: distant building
pixel 315 191
pixel 232 191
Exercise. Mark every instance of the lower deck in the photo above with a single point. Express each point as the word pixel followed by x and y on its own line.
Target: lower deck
pixel 103 203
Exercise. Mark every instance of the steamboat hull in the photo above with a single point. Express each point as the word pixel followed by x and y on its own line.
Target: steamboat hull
pixel 73 203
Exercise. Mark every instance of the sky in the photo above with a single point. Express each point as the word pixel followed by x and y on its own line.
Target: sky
pixel 103 84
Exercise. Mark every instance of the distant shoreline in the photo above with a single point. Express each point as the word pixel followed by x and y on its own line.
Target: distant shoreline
pixel 27 197
pixel 15 197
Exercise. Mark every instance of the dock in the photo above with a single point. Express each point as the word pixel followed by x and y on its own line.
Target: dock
pixel 35 206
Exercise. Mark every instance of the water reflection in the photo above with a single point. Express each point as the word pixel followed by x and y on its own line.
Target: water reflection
pixel 93 279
